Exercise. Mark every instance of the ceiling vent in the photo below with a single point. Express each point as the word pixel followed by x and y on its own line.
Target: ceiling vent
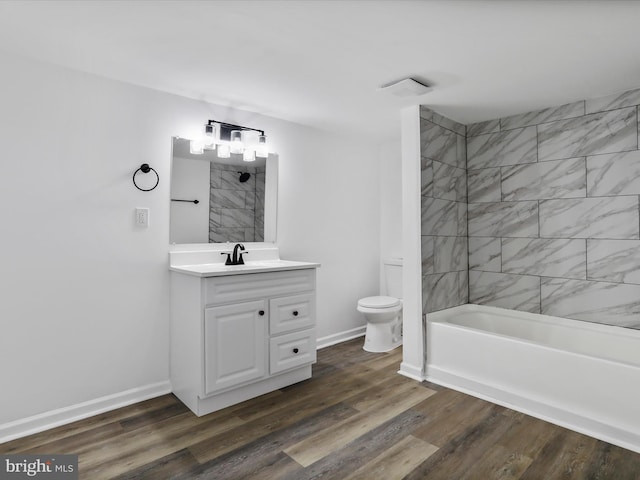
pixel 407 87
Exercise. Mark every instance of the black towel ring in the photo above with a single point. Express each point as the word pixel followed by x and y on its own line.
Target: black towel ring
pixel 145 168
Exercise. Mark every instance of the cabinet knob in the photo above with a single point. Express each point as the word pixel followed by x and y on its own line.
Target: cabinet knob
pixel 295 350
pixel 261 313
pixel 295 313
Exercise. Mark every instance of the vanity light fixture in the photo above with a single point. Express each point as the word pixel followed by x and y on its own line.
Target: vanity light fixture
pixel 262 151
pixel 249 155
pixel 196 147
pixel 237 147
pixel 207 142
pixel 239 140
pixel 224 151
pixel 210 138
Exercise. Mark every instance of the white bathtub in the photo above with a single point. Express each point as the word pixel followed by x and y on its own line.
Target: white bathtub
pixel 580 375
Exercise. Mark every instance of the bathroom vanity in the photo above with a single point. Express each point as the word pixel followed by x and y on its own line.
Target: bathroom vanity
pixel 239 331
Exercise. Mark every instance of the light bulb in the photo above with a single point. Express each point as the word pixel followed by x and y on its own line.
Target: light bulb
pixel 196 147
pixel 224 151
pixel 249 155
pixel 236 142
pixel 209 139
pixel 262 151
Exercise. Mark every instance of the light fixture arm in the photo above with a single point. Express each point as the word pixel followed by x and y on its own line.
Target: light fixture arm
pixel 226 128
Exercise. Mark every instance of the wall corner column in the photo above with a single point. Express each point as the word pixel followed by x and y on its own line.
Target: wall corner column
pixel 413 356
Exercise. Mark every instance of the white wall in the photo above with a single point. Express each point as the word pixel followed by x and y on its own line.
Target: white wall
pixel 84 309
pixel 413 352
pixel 390 203
pixel 329 212
pixel 190 179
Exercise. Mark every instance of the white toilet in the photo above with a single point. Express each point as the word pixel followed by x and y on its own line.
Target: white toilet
pixel 384 313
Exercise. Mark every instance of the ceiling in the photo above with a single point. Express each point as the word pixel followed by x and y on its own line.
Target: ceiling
pixel 320 62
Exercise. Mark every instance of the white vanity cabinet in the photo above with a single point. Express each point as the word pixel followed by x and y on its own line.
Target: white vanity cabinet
pixel 234 337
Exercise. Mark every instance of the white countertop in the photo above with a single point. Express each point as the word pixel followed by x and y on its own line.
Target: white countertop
pixel 260 266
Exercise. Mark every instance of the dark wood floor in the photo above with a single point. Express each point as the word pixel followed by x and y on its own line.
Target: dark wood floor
pixel 355 419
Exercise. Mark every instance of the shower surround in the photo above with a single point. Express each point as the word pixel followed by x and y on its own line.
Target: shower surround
pixel 553 211
pixel 444 212
pixel 236 209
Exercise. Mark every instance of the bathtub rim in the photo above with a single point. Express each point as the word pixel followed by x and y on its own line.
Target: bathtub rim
pixel 613 330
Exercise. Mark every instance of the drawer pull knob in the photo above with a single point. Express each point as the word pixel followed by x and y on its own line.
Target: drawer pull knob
pixel 295 313
pixel 261 313
pixel 295 350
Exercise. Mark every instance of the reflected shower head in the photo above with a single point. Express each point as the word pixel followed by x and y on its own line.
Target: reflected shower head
pixel 244 176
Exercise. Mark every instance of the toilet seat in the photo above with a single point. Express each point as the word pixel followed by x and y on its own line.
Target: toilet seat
pixel 378 302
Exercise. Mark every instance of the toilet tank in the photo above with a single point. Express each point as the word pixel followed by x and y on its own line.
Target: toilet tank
pixel 393 277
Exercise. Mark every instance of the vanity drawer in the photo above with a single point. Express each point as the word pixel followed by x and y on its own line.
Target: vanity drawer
pixel 238 288
pixel 292 350
pixel 287 314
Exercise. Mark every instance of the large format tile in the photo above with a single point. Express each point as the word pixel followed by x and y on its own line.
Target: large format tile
pixel 504 148
pixel 443 217
pixel 427 244
pixel 614 174
pixel 449 182
pixel 601 302
pixel 606 132
pixel 484 185
pixel 219 198
pixel 613 260
pixel 438 143
pixel 518 292
pixel 450 254
pixel 504 219
pixel 214 219
pixel 607 217
pixel 485 254
pixel 463 287
pixel 236 217
pixel 536 181
pixel 428 114
pixel 440 291
pixel 480 128
pixel 462 152
pixel 570 110
pixel 215 176
pixel 546 257
pixel 611 102
pixel 426 177
pixel 463 230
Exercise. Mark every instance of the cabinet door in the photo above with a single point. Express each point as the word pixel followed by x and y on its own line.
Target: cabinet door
pixel 234 345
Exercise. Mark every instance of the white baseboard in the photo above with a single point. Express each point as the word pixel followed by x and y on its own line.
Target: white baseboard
pixel 411 371
pixel 340 337
pixel 546 411
pixel 61 416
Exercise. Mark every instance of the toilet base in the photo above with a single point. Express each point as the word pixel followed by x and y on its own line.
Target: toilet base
pixel 383 337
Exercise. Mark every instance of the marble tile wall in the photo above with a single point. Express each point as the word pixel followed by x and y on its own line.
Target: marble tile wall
pixel 236 210
pixel 554 211
pixel 444 212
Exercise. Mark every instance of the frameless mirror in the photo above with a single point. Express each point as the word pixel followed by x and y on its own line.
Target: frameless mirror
pixel 216 200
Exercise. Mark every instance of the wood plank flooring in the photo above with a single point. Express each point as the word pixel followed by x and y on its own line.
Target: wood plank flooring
pixel 355 419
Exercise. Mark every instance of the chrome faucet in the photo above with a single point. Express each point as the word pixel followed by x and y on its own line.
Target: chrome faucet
pixel 237 257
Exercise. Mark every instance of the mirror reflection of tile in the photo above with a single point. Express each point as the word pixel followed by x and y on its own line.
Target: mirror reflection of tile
pixel 236 208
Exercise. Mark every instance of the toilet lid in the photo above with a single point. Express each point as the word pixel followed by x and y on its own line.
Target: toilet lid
pixel 379 302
